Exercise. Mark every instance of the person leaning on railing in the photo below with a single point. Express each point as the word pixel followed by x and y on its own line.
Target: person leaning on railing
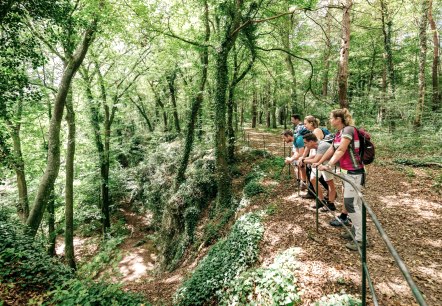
pixel 345 151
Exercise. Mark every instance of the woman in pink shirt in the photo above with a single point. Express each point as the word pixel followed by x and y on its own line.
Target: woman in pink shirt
pixel 345 151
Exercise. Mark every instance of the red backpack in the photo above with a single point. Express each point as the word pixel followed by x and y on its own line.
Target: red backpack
pixel 366 147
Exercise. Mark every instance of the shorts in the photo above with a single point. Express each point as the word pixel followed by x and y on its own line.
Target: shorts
pixel 327 176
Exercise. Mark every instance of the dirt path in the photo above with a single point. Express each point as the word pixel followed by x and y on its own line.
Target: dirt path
pixel 406 205
pixel 408 208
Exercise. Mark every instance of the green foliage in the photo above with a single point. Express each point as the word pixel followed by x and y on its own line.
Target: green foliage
pixel 225 260
pixel 338 300
pixel 213 228
pixel 24 262
pixel 422 162
pixel 253 188
pixel 191 217
pixel 88 292
pixel 108 256
pixel 274 285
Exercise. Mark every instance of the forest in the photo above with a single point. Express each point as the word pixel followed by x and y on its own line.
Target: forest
pixel 142 160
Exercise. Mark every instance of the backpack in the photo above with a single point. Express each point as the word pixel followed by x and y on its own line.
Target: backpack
pixel 366 147
pixel 329 138
pixel 325 131
pixel 303 132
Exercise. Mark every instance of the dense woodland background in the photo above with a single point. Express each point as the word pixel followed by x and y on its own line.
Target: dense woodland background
pixel 143 104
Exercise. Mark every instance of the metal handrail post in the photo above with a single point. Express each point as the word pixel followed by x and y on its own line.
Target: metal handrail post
pixel 364 253
pixel 317 200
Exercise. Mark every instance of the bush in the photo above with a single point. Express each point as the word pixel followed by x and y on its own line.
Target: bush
pixel 253 188
pixel 274 285
pixel 226 260
pixel 24 262
pixel 87 292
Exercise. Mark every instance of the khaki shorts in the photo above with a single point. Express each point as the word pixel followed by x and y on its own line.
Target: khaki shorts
pixel 327 176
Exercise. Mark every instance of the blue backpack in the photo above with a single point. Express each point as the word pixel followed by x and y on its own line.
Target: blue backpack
pixel 325 131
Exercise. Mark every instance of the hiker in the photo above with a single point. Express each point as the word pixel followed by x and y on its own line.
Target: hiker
pixel 311 142
pixel 297 151
pixel 345 151
pixel 312 124
pixel 295 119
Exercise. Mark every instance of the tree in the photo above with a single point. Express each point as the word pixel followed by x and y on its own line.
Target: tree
pixel 53 162
pixel 436 96
pixel 344 54
pixel 425 5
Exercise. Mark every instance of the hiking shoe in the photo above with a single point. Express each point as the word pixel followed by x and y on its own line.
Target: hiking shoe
pixel 331 206
pixel 320 204
pixel 347 235
pixel 354 246
pixel 303 186
pixel 308 196
pixel 336 223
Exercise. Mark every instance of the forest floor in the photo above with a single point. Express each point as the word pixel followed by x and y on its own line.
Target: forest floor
pixel 406 202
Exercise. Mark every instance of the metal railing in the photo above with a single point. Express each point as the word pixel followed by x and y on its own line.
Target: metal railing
pixel 362 250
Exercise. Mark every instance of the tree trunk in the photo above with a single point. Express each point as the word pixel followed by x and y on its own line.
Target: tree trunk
pixel 387 25
pixel 195 109
pixel 140 106
pixel 19 165
pixel 327 53
pixel 53 163
pixel 274 122
pixel 436 95
pixel 254 109
pixel 171 83
pixel 286 34
pixel 422 58
pixel 52 235
pixel 224 196
pixel 69 193
pixel 343 58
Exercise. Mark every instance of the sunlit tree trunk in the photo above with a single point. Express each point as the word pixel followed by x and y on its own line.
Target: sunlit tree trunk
pixel 422 58
pixel 344 54
pixel 436 95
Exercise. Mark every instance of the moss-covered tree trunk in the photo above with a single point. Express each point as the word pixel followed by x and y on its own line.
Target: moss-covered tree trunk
pixel 52 235
pixel 224 199
pixel 69 190
pixel 172 91
pixel 53 163
pixel 19 165
pixel 195 108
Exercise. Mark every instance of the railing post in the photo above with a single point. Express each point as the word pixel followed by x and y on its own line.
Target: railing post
pixel 364 253
pixel 317 199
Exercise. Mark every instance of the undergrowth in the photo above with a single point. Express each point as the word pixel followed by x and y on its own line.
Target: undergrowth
pixel 225 261
pixel 273 285
pixel 25 266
